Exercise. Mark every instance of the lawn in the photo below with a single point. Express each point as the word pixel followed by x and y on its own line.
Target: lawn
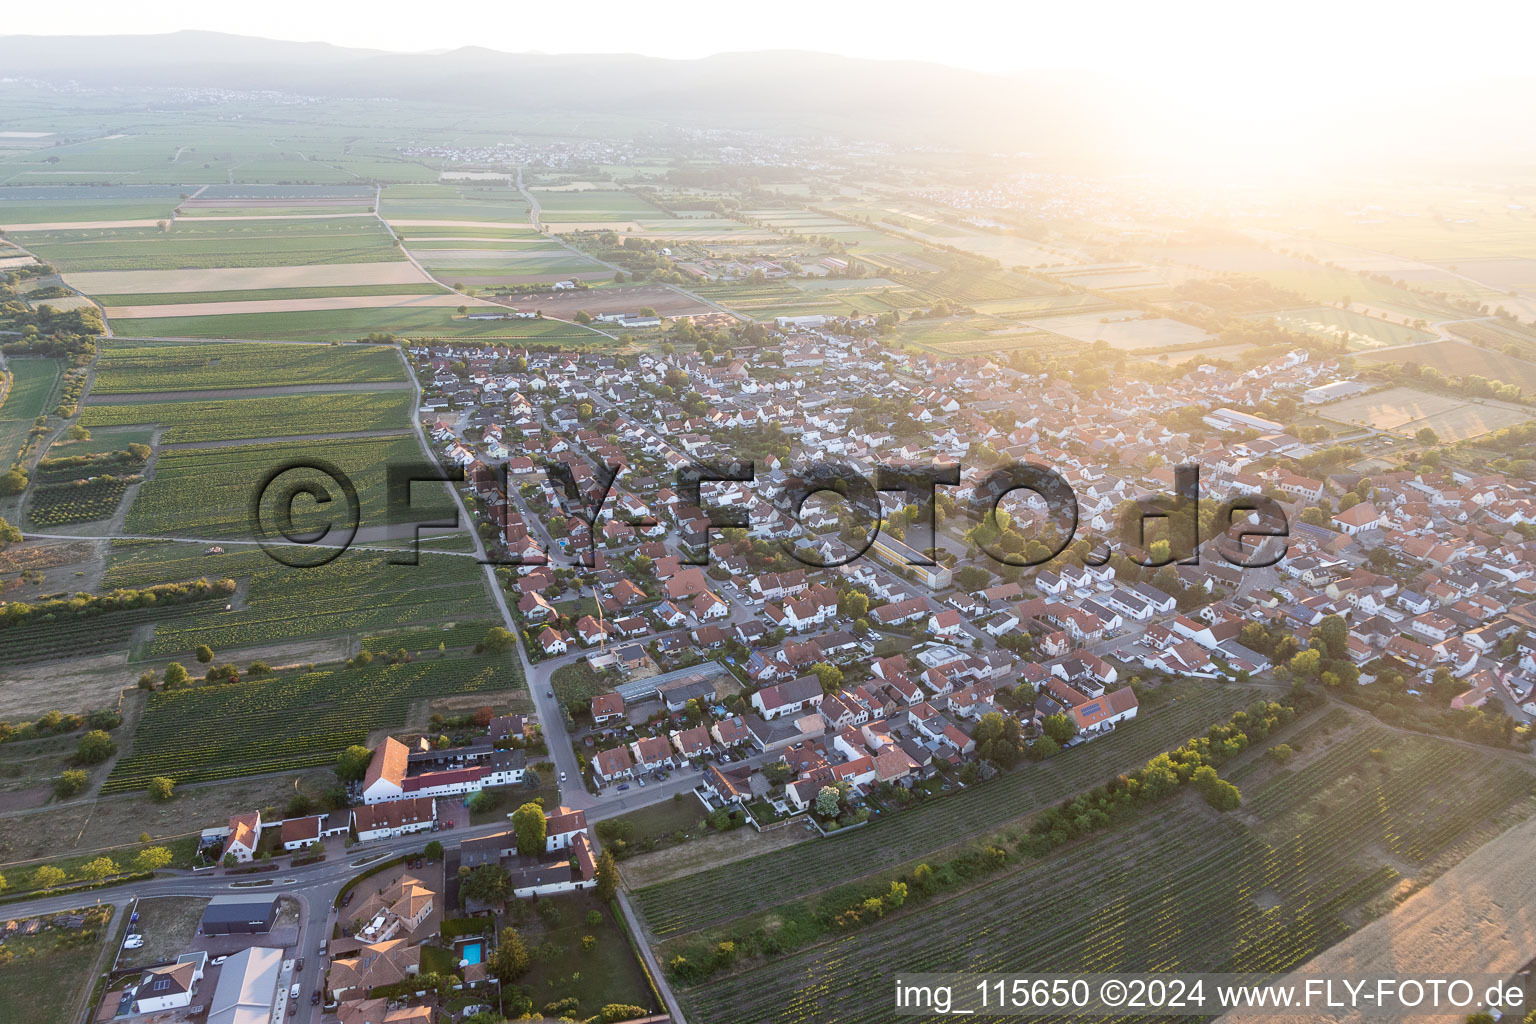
pixel 608 973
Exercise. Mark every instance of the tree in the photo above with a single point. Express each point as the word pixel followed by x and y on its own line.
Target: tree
pixel 433 851
pixel 3 884
pixel 176 674
pixel 352 765
pixel 48 876
pixel 8 534
pixel 70 782
pixel 96 870
pixel 94 747
pixel 582 317
pixel 230 860
pixel 161 788
pixel 498 640
pixel 828 801
pixel 204 654
pixel 488 883
pixel 1426 435
pixel 510 960
pixel 1218 792
pixel 152 858
pixel 607 878
pixel 528 822
pixel 1281 752
pixel 830 675
pixel 1059 727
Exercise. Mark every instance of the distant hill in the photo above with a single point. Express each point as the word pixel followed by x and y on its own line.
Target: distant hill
pixel 793 91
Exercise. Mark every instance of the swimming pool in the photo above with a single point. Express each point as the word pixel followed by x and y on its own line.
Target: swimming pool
pixel 472 952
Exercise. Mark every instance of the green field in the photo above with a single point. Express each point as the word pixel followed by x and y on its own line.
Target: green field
pixel 351 324
pixel 126 368
pixel 205 244
pixel 591 205
pixel 79 501
pixel 262 294
pixel 207 492
pixel 291 720
pixel 1261 893
pixel 32 384
pixel 734 890
pixel 268 416
pixel 358 595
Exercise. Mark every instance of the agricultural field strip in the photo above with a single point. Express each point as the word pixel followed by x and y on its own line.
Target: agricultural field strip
pixel 1182 909
pixel 133 368
pixel 709 897
pixel 276 416
pixel 358 593
pixel 215 732
pixel 205 492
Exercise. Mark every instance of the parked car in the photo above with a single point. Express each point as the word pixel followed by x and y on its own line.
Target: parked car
pixel 300 965
pixel 623 786
pixel 218 960
pixel 314 998
pixel 641 781
pixel 133 942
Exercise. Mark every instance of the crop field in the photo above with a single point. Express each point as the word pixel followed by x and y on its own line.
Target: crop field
pixel 1259 898
pixel 267 294
pixel 42 204
pixel 592 205
pixel 219 244
pixel 215 280
pixel 1459 359
pixel 784 298
pixel 1499 334
pixel 207 492
pixel 464 202
pixel 359 594
pixel 734 890
pixel 351 324
pixel 1407 410
pixel 269 416
pixel 32 385
pixel 232 310
pixel 1339 325
pixel 126 369
pixel 292 720
pixel 1124 329
pixel 80 501
pixel 66 638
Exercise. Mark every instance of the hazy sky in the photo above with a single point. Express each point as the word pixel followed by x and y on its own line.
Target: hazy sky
pixel 1255 47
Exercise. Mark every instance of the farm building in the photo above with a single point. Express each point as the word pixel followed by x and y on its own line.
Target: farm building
pixel 1333 392
pixel 252 914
